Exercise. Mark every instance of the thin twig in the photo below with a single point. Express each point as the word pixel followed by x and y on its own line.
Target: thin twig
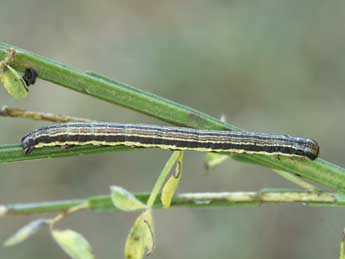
pixel 34 115
pixel 194 200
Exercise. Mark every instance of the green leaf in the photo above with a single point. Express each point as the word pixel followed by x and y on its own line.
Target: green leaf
pixel 73 243
pixel 140 237
pixel 214 159
pixel 13 83
pixel 25 232
pixel 124 200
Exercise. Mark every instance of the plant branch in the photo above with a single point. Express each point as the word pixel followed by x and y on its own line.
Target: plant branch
pixel 12 153
pixel 118 93
pixel 34 115
pixel 194 200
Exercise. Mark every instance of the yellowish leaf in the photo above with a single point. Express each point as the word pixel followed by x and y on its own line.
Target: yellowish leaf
pixel 169 190
pixel 342 248
pixel 171 185
pixel 73 243
pixel 148 231
pixel 140 237
pixel 13 83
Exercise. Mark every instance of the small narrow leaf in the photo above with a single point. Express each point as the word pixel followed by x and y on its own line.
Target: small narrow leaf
pixel 169 190
pixel 25 232
pixel 124 200
pixel 148 231
pixel 342 249
pixel 171 185
pixel 214 159
pixel 140 237
pixel 13 83
pixel 73 243
pixel 296 180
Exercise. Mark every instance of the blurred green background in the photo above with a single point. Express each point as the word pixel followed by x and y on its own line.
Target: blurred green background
pixel 273 66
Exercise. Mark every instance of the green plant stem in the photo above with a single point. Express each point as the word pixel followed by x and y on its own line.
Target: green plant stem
pixel 194 200
pixel 71 210
pixel 118 93
pixel 296 180
pixel 12 153
pixel 111 91
pixel 162 177
pixel 342 246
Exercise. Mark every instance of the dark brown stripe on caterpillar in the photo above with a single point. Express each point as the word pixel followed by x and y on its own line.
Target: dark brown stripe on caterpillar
pixel 174 138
